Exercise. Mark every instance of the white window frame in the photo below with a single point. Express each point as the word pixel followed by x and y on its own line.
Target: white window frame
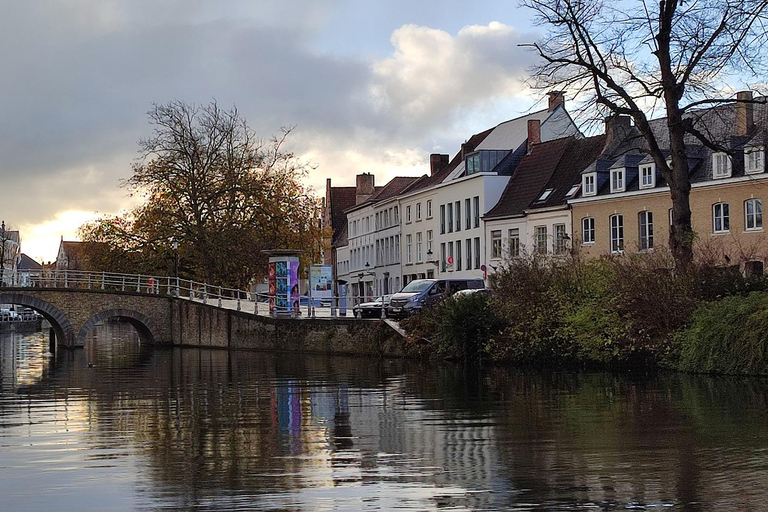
pixel 721 166
pixel 618 179
pixel 409 248
pixel 588 231
pixel 429 209
pixel 589 184
pixel 513 244
pixel 617 233
pixel 408 214
pixel 496 246
pixel 754 159
pixel 560 239
pixel 645 219
pixel 756 216
pixel 418 212
pixel 419 257
pixel 721 212
pixel 541 239
pixel 649 171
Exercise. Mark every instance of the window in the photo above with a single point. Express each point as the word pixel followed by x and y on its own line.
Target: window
pixel 469 254
pixel 449 220
pixel 514 242
pixel 442 219
pixel 541 239
pixel 457 207
pixel 408 214
pixel 588 230
pixel 544 195
pixel 397 248
pixel 408 253
pixel 397 216
pixel 561 239
pixel 721 218
pixel 496 244
pixel 419 257
pixel 429 242
pixel 429 209
pixel 588 185
pixel 572 191
pixel 647 176
pixel 721 165
pixel 617 180
pixel 467 214
pixel 458 254
pixel 477 252
pixel 450 257
pixel 442 257
pixel 476 200
pixel 617 233
pixel 645 229
pixel 753 213
pixel 484 161
pixel 754 160
pixel 418 211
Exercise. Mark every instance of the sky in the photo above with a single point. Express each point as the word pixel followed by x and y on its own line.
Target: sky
pixel 368 85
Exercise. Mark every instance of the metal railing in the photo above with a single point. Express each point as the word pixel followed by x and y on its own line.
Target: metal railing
pixel 229 298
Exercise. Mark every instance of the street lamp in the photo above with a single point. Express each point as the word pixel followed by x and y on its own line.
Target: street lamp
pixel 175 245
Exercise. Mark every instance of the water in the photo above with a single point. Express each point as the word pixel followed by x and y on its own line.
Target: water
pixel 211 430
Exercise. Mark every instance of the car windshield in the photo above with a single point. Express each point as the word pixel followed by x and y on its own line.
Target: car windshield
pixel 417 286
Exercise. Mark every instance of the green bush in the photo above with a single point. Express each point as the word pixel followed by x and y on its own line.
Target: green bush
pixel 728 336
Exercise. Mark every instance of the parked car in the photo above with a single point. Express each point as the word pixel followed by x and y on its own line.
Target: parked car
pixel 423 292
pixel 372 309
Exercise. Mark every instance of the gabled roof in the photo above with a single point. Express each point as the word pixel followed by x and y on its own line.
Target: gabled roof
pixel 556 166
pixel 395 187
pixel 27 263
pixel 341 199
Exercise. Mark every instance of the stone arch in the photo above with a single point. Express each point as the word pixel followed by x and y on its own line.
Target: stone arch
pixel 142 323
pixel 59 322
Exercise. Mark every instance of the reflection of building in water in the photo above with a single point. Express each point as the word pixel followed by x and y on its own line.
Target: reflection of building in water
pixel 23 359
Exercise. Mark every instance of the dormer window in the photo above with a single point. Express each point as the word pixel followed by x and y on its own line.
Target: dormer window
pixel 754 160
pixel 484 161
pixel 721 166
pixel 589 184
pixel 647 175
pixel 618 180
pixel 572 191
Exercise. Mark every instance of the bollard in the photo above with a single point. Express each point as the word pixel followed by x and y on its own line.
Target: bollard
pixel 138 283
pixel 103 278
pixel 238 300
pixel 219 296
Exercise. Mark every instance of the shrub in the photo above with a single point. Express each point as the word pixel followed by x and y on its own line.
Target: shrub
pixel 728 336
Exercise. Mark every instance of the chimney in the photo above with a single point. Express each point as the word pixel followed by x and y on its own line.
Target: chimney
pixel 534 132
pixel 744 113
pixel 437 163
pixel 364 187
pixel 466 149
pixel 616 129
pixel 556 98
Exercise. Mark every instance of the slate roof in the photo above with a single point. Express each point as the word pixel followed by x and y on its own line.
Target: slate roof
pixel 27 263
pixel 555 165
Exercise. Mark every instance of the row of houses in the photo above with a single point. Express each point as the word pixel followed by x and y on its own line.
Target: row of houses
pixel 536 184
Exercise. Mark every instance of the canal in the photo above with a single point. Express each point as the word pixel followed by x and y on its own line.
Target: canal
pixel 115 426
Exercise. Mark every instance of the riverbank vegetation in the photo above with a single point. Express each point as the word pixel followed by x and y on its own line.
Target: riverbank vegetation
pixel 629 311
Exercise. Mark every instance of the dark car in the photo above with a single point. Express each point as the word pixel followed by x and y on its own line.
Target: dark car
pixel 372 309
pixel 424 292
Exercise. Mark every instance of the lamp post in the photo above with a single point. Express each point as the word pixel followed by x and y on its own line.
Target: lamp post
pixel 433 262
pixel 175 244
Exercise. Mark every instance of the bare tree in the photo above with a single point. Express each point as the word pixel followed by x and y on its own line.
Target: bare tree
pixel 9 251
pixel 642 59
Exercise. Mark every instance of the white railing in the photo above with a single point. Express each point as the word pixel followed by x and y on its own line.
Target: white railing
pixel 229 298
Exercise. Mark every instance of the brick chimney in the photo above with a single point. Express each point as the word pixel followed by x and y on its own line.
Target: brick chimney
pixel 534 132
pixel 364 187
pixel 437 163
pixel 616 129
pixel 555 98
pixel 466 149
pixel 744 113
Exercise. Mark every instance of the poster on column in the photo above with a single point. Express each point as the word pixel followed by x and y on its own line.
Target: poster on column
pixel 293 283
pixel 321 281
pixel 272 286
pixel 281 295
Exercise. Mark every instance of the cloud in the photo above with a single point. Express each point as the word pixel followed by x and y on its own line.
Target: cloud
pixel 79 76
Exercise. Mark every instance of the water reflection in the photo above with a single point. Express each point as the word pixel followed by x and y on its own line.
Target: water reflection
pixel 181 429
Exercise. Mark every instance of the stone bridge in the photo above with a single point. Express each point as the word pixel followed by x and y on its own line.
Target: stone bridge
pixel 170 321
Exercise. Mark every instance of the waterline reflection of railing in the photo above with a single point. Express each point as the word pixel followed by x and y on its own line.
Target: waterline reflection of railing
pixel 228 298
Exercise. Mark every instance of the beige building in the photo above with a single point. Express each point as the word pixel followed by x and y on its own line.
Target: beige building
pixel 624 205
